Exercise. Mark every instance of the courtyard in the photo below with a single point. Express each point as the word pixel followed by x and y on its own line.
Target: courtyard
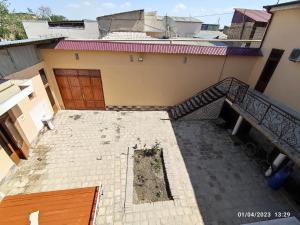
pixel 210 178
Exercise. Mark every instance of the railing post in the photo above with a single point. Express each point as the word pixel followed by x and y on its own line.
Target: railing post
pixel 264 115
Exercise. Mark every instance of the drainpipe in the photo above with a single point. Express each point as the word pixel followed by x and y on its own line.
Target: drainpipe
pixel 237 125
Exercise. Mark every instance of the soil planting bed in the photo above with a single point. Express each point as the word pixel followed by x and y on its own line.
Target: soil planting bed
pixel 150 180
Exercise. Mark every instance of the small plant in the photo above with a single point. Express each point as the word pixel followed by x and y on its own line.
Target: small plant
pixel 158 194
pixel 156 164
pixel 153 150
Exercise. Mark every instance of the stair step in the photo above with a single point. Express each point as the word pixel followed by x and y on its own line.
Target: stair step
pixel 177 110
pixel 194 103
pixel 216 92
pixel 220 93
pixel 185 106
pixel 204 99
pixel 207 97
pixel 198 100
pixel 190 105
pixel 211 94
pixel 173 113
pixel 182 110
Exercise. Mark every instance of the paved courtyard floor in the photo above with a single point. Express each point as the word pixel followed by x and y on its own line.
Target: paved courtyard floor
pixel 210 178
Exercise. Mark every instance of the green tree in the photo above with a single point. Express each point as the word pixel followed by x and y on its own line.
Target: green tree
pixel 55 18
pixel 4 20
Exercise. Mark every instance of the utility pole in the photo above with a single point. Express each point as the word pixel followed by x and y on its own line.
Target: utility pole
pixel 166 26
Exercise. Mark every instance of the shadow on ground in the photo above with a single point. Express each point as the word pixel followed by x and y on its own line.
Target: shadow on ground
pixel 225 180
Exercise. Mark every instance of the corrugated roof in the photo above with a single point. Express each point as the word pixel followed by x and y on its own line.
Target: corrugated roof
pixel 257 15
pixel 89 45
pixel 6 44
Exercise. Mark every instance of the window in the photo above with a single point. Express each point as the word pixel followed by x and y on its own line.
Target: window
pixel 47 87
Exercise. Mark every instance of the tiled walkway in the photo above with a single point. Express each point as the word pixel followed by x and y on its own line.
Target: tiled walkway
pixel 92 147
pixel 225 180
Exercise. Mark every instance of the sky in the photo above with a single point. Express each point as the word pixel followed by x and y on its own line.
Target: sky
pixel 205 10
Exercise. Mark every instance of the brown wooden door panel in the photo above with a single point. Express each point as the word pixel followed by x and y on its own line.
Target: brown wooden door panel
pixel 80 89
pixel 98 95
pixel 88 93
pixel 66 93
pixel 85 81
pixel 90 104
pixel 62 81
pixel 76 93
pixel 73 81
pixel 79 104
pixel 96 81
pixel 99 104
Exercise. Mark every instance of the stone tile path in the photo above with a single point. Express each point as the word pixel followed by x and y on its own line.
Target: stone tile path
pixel 225 180
pixel 91 147
pixel 204 169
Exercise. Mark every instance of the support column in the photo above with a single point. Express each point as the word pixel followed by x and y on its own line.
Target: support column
pixel 237 125
pixel 275 164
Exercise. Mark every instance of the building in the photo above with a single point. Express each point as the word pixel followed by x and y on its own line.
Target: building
pixel 150 23
pixel 181 26
pixel 25 99
pixel 75 29
pixel 248 24
pixel 210 27
pixel 255 90
pixel 132 21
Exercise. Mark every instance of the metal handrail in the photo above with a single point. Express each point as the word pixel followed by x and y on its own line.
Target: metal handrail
pixel 231 82
pixel 276 120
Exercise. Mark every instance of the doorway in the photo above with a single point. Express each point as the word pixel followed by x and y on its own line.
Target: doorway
pixel 269 69
pixel 11 140
pixel 80 89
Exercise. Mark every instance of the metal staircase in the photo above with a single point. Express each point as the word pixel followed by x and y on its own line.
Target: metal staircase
pixel 232 88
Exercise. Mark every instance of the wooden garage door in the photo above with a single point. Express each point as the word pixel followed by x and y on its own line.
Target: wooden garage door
pixel 80 89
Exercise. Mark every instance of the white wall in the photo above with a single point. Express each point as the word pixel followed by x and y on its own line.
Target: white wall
pixel 40 28
pixel 187 29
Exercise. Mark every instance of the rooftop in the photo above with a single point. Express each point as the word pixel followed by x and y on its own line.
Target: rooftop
pixel 99 45
pixel 7 44
pixel 256 15
pixel 284 5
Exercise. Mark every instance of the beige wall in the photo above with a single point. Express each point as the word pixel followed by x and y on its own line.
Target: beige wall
pixel 5 163
pixel 161 79
pixel 283 33
pixel 21 112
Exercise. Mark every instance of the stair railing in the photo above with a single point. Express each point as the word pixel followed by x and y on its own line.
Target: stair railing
pixel 281 123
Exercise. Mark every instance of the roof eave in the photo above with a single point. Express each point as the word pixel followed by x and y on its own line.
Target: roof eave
pixel 282 6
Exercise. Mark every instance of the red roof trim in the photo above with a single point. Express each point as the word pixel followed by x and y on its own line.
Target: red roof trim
pixel 89 45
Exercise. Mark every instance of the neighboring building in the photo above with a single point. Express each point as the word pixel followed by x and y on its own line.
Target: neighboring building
pixel 150 23
pixel 25 99
pixel 75 29
pixel 181 26
pixel 277 74
pixel 132 21
pixel 248 24
pixel 210 27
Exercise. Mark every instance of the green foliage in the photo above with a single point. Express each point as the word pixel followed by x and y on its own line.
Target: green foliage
pixel 156 164
pixel 11 26
pixel 4 19
pixel 153 150
pixel 56 18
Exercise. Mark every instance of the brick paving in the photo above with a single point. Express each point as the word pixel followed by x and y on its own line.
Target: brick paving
pixel 205 171
pixel 225 180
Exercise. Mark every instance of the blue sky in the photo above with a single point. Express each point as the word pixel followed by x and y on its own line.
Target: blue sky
pixel 90 9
